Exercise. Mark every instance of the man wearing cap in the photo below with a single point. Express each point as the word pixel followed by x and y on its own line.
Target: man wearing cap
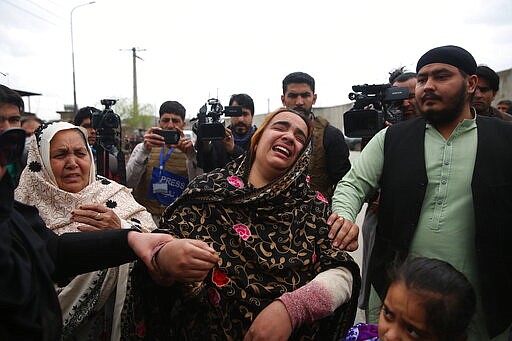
pixel 453 201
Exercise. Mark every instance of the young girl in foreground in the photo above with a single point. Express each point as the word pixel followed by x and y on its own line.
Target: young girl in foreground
pixel 428 299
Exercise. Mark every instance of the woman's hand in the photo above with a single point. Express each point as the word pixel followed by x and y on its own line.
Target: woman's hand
pixel 143 245
pixel 273 323
pixel 186 260
pixel 97 216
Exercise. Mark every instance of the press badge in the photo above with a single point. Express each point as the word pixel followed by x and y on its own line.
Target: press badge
pixel 166 186
pixel 160 188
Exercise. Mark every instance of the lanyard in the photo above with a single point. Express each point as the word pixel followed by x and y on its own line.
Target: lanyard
pixel 164 160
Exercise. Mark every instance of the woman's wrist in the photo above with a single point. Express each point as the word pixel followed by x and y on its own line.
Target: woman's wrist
pixel 154 255
pixel 160 276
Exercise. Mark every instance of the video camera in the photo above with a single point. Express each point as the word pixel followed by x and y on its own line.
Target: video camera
pixel 374 105
pixel 107 123
pixel 108 140
pixel 209 126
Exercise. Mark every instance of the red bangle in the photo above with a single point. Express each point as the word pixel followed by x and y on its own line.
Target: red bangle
pixel 154 254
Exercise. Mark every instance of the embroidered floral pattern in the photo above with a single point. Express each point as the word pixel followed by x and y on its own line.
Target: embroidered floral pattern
pixel 286 224
pixel 242 230
pixel 219 278
pixel 308 179
pixel 111 204
pixel 321 197
pixel 213 297
pixel 235 181
pixel 34 166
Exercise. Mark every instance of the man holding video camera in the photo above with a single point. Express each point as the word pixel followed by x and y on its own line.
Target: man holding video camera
pixel 401 78
pixel 216 154
pixel 160 167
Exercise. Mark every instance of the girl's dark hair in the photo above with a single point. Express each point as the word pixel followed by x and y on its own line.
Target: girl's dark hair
pixel 450 300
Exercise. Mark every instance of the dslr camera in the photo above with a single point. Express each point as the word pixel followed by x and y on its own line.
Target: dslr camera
pixel 209 126
pixel 374 105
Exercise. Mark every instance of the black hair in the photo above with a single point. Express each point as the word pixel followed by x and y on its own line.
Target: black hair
pixel 172 107
pixel 505 101
pixel 450 300
pixel 400 75
pixel 485 72
pixel 83 114
pixel 9 96
pixel 298 78
pixel 28 116
pixel 243 100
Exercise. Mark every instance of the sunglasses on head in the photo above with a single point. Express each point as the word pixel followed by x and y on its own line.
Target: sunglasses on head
pixel 12 143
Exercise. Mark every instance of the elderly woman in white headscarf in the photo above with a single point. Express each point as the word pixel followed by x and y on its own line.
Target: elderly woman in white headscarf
pixel 60 181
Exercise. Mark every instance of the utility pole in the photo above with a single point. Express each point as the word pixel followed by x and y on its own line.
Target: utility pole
pixel 135 99
pixel 75 107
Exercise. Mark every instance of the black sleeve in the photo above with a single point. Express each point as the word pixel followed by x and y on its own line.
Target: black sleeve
pixel 336 152
pixel 214 156
pixel 237 151
pixel 81 252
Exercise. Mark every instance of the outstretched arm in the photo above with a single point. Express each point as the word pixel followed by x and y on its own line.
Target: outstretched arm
pixel 351 192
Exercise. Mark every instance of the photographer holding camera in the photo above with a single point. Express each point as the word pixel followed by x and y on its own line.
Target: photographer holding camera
pixel 217 153
pixel 160 167
pixel 401 78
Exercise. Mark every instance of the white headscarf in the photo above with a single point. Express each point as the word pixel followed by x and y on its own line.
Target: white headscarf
pixel 39 188
pixel 44 140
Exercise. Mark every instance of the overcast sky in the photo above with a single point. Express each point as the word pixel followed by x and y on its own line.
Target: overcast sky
pixel 198 49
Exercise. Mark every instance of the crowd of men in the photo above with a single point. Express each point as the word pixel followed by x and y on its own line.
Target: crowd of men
pixel 438 184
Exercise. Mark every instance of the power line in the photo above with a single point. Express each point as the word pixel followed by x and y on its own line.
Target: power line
pixel 44 9
pixel 30 13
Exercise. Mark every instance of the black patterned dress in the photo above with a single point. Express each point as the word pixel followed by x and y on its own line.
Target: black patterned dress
pixel 271 240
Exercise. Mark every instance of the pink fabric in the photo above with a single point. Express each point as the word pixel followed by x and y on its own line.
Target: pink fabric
pixel 300 309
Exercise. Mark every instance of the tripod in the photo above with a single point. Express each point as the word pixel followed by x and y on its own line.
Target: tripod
pixel 107 152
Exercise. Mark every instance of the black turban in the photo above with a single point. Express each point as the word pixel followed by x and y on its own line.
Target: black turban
pixel 452 55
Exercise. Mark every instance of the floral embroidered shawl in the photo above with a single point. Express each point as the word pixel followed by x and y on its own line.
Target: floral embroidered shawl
pixel 271 240
pixel 82 301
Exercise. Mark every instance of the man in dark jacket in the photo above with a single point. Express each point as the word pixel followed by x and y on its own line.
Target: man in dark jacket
pixel 488 86
pixel 329 160
pixel 445 183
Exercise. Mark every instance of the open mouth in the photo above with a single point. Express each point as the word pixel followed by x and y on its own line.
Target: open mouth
pixel 282 150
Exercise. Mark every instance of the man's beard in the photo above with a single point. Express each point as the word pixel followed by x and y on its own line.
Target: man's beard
pixel 303 110
pixel 241 129
pixel 450 113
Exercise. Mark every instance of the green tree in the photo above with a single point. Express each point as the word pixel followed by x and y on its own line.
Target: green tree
pixel 144 119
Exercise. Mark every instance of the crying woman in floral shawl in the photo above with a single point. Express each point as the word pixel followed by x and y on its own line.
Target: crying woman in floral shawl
pixel 278 276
